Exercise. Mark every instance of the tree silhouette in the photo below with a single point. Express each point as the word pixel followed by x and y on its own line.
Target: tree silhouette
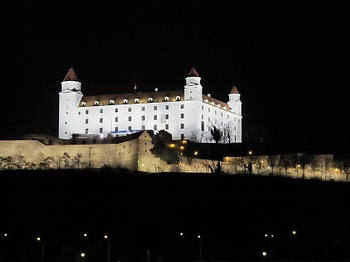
pixel 216 134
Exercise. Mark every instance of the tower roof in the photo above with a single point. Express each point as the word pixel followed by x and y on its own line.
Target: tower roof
pixel 71 75
pixel 234 90
pixel 193 72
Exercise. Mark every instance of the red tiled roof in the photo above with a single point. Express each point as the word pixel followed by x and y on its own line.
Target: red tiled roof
pixel 193 72
pixel 71 75
pixel 158 96
pixel 216 102
pixel 234 90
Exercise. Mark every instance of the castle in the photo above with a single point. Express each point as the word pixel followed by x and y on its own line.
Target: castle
pixel 186 113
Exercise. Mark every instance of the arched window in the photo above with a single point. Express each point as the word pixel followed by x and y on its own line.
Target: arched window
pixel 150 99
pixel 125 101
pixel 178 98
pixel 83 103
pixel 166 98
pixel 111 102
pixel 96 103
pixel 137 100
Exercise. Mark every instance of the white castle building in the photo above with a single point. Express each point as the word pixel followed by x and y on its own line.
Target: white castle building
pixel 185 113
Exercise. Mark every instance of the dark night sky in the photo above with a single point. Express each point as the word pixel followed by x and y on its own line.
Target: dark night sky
pixel 289 60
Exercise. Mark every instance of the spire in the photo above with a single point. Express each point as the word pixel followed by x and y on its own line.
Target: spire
pixel 193 72
pixel 234 90
pixel 71 75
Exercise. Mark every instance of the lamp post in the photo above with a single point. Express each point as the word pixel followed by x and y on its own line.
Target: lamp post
pixel 106 237
pixel 292 238
pixel 200 247
pixel 39 240
pixel 269 238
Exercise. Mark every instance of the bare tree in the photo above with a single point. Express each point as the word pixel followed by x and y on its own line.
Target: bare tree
pixel 303 160
pixel 272 161
pixel 216 134
pixel 286 161
pixel 77 160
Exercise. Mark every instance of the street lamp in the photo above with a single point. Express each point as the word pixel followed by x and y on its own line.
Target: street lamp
pixel 181 234
pixel 269 237
pixel 85 235
pixel 292 238
pixel 106 237
pixel 5 235
pixel 200 247
pixel 39 240
pixel 82 255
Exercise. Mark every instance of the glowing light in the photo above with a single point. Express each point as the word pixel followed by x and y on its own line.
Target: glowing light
pixel 272 236
pixel 198 236
pixel 294 232
pixel 195 153
pixel 85 235
pixel 184 142
pixel 171 145
pixel 38 239
pixel 182 147
pixel 265 235
pixel 250 152
pixel 298 166
pixel 264 253
pixel 82 254
pixel 105 236
pixel 181 234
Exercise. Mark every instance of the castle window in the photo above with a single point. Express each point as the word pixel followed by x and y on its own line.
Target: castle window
pixel 111 102
pixel 228 117
pixel 143 127
pixel 150 99
pixel 143 118
pixel 137 100
pixel 129 128
pixel 65 123
pixel 215 112
pixel 143 108
pixel 155 117
pixel 101 130
pixel 202 117
pixel 116 119
pixel 65 132
pixel 202 125
pixel 216 121
pixel 86 131
pixel 66 113
pixel 155 127
pixel 125 101
pixel 155 108
pixel 116 110
pixel 182 125
pixel 86 121
pixel 129 109
pixel 101 110
pixel 222 114
pixel 167 107
pixel 129 118
pixel 178 98
pixel 116 128
pixel 182 136
pixel 96 103
pixel 166 126
pixel 86 112
pixel 182 106
pixel 182 115
pixel 208 109
pixel 79 113
pixel 101 120
pixel 166 98
pixel 166 116
pixel 202 107
pixel 83 103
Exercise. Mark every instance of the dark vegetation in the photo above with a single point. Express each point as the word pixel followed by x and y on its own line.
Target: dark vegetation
pixel 147 211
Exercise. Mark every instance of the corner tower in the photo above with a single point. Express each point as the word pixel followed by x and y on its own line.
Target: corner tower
pixel 193 88
pixel 234 101
pixel 69 99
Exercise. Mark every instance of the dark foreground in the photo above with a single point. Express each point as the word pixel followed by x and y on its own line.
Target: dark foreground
pixel 143 212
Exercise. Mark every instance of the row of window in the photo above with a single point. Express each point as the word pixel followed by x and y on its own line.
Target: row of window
pixel 136 100
pixel 155 127
pixel 143 118
pixel 155 108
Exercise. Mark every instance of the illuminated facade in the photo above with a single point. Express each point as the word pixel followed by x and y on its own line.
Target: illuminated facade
pixel 185 113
